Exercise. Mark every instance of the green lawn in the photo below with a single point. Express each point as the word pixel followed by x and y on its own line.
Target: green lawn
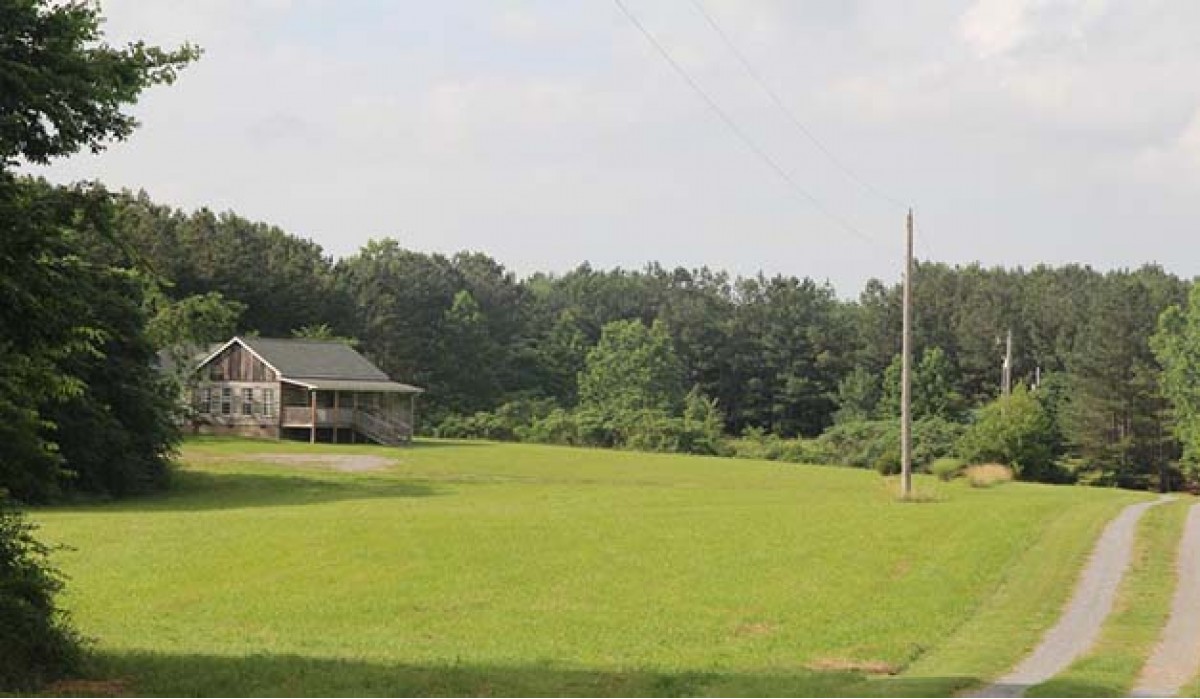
pixel 482 569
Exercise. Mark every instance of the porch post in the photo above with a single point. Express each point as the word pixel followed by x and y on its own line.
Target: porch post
pixel 412 416
pixel 354 418
pixel 312 432
pixel 337 418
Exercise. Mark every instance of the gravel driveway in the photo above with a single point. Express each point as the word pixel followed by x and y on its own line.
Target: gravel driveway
pixel 1079 626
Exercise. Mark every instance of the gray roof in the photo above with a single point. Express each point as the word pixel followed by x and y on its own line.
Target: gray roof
pixel 314 359
pixel 320 364
pixel 345 385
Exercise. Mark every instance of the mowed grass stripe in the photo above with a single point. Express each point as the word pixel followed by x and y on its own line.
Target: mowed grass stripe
pixel 679 574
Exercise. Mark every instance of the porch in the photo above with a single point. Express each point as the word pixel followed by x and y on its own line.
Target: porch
pixel 385 417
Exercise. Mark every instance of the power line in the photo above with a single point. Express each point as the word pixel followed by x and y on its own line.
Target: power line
pixel 754 74
pixel 737 131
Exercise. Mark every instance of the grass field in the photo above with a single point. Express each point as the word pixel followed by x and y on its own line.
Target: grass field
pixel 481 569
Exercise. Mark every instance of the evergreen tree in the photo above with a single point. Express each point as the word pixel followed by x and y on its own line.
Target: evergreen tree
pixel 1176 345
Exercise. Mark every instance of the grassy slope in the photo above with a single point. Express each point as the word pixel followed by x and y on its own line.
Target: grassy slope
pixel 1143 602
pixel 506 569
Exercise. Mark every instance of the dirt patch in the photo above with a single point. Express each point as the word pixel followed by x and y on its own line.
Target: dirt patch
pixel 870 667
pixel 349 463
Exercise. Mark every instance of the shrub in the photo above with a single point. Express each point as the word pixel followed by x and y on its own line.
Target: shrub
pixel 756 443
pixel 1013 430
pixel 557 427
pixel 503 424
pixel 36 642
pixel 876 443
pixel 887 463
pixel 947 468
pixel 862 444
pixel 802 451
pixel 987 475
pixel 934 438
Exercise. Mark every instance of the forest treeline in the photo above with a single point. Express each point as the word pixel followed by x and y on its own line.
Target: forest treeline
pixel 682 359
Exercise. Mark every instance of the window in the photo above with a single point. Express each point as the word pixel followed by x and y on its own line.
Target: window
pixel 268 404
pixel 206 399
pixel 247 401
pixel 226 401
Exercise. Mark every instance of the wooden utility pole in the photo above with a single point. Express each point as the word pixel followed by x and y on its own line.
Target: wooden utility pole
pixel 906 369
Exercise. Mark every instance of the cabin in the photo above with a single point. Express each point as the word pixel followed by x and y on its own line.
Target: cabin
pixel 316 390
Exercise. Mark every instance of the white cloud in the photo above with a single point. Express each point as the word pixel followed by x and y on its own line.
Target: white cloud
pixel 993 27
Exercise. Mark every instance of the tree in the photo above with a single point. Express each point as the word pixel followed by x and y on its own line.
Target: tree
pixel 934 393
pixel 192 321
pixel 1016 431
pixel 787 356
pixel 467 345
pixel 858 394
pixel 61 90
pixel 1114 417
pixel 323 333
pixel 1176 345
pixel 36 641
pixel 633 368
pixel 283 282
pixel 401 299
pixel 933 384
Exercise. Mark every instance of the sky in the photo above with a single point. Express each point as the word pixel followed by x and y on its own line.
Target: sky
pixel 551 133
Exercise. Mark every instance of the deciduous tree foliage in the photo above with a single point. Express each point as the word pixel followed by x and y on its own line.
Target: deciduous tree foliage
pixel 80 403
pixel 1016 431
pixel 1176 345
pixel 68 302
pixel 632 369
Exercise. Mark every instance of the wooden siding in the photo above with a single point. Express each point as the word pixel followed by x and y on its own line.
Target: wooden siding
pixel 208 400
pixel 237 363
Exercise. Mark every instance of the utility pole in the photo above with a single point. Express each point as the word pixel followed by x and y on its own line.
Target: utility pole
pixel 906 369
pixel 1006 371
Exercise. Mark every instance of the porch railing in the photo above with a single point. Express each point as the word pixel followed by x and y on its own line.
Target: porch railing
pixel 302 416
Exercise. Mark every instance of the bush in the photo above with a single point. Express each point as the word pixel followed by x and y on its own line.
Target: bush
pixel 505 424
pixel 887 463
pixel 934 438
pixel 557 427
pixel 947 468
pixel 755 443
pixel 36 642
pixel 1014 430
pixel 876 443
pixel 802 451
pixel 863 444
